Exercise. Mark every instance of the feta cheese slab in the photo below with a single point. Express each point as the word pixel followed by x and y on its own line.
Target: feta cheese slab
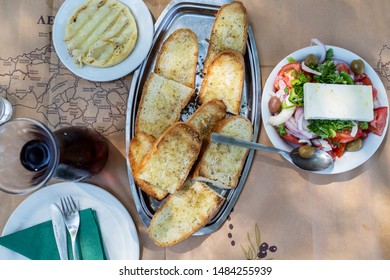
pixel 338 102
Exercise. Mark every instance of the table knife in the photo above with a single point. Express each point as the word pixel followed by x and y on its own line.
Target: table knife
pixel 59 231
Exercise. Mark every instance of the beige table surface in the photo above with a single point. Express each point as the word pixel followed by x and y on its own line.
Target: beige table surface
pixel 304 215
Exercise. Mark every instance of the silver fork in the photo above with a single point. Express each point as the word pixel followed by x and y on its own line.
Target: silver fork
pixel 72 221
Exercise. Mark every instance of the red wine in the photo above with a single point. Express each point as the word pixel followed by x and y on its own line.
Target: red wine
pixel 83 153
pixel 35 155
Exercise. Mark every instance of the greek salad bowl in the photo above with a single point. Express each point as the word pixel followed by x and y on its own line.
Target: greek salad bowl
pixel 351 143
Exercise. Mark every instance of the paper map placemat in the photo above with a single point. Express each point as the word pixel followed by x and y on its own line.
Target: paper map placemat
pixel 39 86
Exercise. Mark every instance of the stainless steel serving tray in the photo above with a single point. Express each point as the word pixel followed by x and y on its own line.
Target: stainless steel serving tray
pixel 199 17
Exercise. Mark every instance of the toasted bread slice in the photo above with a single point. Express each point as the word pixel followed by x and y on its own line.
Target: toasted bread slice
pixel 167 164
pixel 222 164
pixel 183 213
pixel 207 116
pixel 139 146
pixel 229 32
pixel 224 81
pixel 178 57
pixel 161 104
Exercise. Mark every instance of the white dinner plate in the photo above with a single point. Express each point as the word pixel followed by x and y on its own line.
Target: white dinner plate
pixel 349 160
pixel 120 238
pixel 144 41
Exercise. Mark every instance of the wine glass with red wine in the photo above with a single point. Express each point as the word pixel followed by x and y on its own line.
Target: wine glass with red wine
pixel 31 154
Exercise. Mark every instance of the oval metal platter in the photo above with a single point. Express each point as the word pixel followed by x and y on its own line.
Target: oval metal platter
pixel 199 17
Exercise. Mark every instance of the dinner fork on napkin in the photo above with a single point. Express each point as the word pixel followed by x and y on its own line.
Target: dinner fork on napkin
pixel 37 242
pixel 72 221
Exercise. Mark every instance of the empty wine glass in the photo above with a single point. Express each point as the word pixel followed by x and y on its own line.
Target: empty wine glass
pixel 31 154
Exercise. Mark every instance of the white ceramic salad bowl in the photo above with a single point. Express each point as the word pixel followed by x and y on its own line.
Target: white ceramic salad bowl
pixel 349 160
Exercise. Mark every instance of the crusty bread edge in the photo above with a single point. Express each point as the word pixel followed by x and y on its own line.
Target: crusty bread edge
pixel 240 59
pixel 151 139
pixel 145 186
pixel 164 47
pixel 208 59
pixel 217 103
pixel 140 104
pixel 197 174
pixel 220 200
pixel 149 189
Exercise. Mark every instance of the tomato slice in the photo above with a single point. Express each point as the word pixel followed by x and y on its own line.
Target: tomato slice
pixel 342 67
pixel 291 138
pixel 288 73
pixel 332 154
pixel 365 80
pixel 345 136
pixel 339 150
pixel 378 124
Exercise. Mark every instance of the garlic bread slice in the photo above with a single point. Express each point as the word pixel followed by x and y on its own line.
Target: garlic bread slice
pixel 183 213
pixel 167 164
pixel 178 57
pixel 224 81
pixel 222 164
pixel 161 104
pixel 207 116
pixel 229 32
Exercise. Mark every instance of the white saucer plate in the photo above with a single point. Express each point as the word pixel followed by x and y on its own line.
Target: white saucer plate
pixel 145 26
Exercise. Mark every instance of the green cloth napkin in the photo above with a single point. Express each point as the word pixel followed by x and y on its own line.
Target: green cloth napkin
pixel 38 242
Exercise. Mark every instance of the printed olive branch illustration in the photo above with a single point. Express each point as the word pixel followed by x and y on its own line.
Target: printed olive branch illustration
pixel 250 254
pixel 260 250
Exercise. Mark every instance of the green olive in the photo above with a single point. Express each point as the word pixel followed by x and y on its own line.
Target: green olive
pixel 306 151
pixel 311 60
pixel 274 105
pixel 357 66
pixel 355 145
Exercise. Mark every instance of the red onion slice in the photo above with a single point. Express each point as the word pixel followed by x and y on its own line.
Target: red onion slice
pixel 293 127
pixel 305 141
pixel 282 117
pixel 325 145
pixel 308 69
pixel 354 129
pixel 323 49
pixel 292 130
pixel 322 144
